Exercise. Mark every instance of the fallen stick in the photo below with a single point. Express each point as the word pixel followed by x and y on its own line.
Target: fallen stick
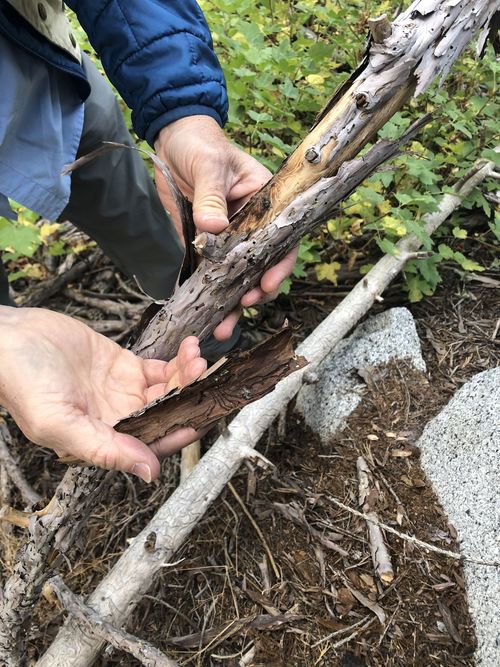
pixel 412 539
pixel 92 624
pixel 29 495
pixel 379 552
pixel 180 514
pixel 52 286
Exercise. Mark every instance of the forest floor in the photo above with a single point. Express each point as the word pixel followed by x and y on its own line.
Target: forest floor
pixel 301 591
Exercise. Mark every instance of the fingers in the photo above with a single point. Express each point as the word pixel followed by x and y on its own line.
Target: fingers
pixel 175 441
pixel 185 368
pixel 209 202
pixel 224 330
pixel 191 372
pixel 272 279
pixel 256 296
pixel 92 440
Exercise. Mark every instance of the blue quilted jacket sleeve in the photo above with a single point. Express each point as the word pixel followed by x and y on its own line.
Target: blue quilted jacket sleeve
pixel 159 55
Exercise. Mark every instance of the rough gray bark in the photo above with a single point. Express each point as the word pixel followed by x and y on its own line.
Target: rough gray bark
pixel 91 623
pixel 29 496
pixel 179 515
pixel 49 535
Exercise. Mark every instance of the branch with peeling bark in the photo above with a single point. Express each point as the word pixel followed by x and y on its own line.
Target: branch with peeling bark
pixel 402 59
pixel 175 520
pixel 91 623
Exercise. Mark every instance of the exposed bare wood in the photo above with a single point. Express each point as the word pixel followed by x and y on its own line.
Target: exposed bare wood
pixel 183 510
pixel 190 456
pixel 91 622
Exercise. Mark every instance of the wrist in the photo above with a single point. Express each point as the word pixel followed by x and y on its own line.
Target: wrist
pixel 199 124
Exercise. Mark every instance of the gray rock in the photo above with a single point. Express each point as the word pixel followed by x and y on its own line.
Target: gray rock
pixel 460 455
pixel 327 404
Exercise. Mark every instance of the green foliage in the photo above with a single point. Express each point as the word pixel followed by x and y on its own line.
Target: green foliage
pixel 282 61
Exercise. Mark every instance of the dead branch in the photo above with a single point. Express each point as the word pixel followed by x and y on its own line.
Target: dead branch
pixel 380 554
pixel 52 286
pixel 179 515
pixel 121 309
pixel 91 623
pixel 49 535
pixel 29 496
pixel 402 59
pixel 412 539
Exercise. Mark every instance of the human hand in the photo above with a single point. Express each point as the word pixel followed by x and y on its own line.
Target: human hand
pixel 218 178
pixel 66 386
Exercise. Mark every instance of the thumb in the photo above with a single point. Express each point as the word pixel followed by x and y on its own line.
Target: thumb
pixel 94 441
pixel 209 200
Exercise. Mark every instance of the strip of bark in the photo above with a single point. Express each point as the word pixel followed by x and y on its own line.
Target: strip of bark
pixel 232 383
pixel 180 514
pixel 88 620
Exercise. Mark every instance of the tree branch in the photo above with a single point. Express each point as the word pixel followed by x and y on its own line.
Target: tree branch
pixel 179 515
pixel 90 622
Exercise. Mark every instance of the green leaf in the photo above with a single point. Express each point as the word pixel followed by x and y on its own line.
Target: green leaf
pixel 387 247
pixel 19 239
pixel 328 271
pixel 445 251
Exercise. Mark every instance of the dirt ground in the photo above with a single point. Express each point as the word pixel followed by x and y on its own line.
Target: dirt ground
pixel 277 574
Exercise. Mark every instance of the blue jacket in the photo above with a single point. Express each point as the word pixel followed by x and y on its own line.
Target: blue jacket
pixel 158 54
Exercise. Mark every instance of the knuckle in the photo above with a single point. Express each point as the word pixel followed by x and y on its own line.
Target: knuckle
pixel 104 457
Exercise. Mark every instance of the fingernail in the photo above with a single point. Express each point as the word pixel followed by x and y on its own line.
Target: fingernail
pixel 143 471
pixel 207 216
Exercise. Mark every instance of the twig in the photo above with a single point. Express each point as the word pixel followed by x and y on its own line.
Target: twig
pixel 257 530
pixel 144 652
pixel 342 631
pixel 52 286
pixel 380 554
pixel 412 539
pixel 120 309
pixel 30 497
